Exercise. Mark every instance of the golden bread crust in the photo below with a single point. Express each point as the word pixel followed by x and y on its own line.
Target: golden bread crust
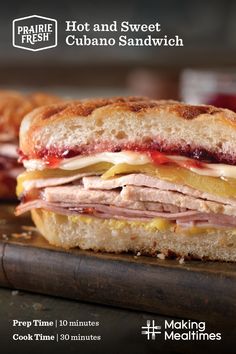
pixel 88 126
pixel 84 108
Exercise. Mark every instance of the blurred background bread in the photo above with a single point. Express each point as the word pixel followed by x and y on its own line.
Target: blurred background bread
pixel 14 106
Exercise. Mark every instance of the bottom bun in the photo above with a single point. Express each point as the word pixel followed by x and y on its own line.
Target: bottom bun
pixel 117 236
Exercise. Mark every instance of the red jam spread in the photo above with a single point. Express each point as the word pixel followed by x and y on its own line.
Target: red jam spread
pixel 157 151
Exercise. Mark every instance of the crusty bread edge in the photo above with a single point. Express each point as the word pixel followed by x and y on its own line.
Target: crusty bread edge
pixel 93 126
pixel 99 235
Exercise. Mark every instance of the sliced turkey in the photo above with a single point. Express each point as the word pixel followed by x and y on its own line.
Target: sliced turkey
pixel 183 201
pixel 132 197
pixel 95 182
pixel 76 195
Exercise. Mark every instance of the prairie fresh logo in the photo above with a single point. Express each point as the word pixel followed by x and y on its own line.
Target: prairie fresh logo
pixel 34 33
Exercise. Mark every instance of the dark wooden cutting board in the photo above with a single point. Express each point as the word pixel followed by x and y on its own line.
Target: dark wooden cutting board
pixel 195 289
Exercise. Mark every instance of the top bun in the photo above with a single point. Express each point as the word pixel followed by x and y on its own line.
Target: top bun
pixel 131 123
pixel 14 106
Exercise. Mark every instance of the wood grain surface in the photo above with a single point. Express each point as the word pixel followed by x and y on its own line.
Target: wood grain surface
pixel 195 289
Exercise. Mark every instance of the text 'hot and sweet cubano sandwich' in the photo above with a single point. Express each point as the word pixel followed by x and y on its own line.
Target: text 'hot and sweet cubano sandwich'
pixel 132 174
pixel 13 107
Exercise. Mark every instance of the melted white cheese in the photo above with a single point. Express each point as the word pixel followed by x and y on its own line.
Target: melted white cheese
pixel 75 163
pixel 207 169
pixel 133 158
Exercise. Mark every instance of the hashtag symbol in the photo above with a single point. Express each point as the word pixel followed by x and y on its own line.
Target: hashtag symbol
pixel 151 329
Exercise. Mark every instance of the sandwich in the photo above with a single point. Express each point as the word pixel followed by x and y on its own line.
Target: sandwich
pixel 13 107
pixel 132 175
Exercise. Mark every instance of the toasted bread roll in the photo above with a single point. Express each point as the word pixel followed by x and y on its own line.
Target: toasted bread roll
pixel 131 174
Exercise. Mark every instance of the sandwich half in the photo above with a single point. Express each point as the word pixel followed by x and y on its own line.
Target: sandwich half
pixel 132 175
pixel 13 107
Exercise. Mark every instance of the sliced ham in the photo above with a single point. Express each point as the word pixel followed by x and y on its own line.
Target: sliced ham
pixel 33 204
pixel 112 212
pixel 158 207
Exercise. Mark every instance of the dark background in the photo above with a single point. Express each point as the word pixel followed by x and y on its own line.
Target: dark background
pixel 208 29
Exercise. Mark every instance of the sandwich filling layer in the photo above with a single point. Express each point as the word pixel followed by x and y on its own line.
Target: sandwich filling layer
pixel 181 192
